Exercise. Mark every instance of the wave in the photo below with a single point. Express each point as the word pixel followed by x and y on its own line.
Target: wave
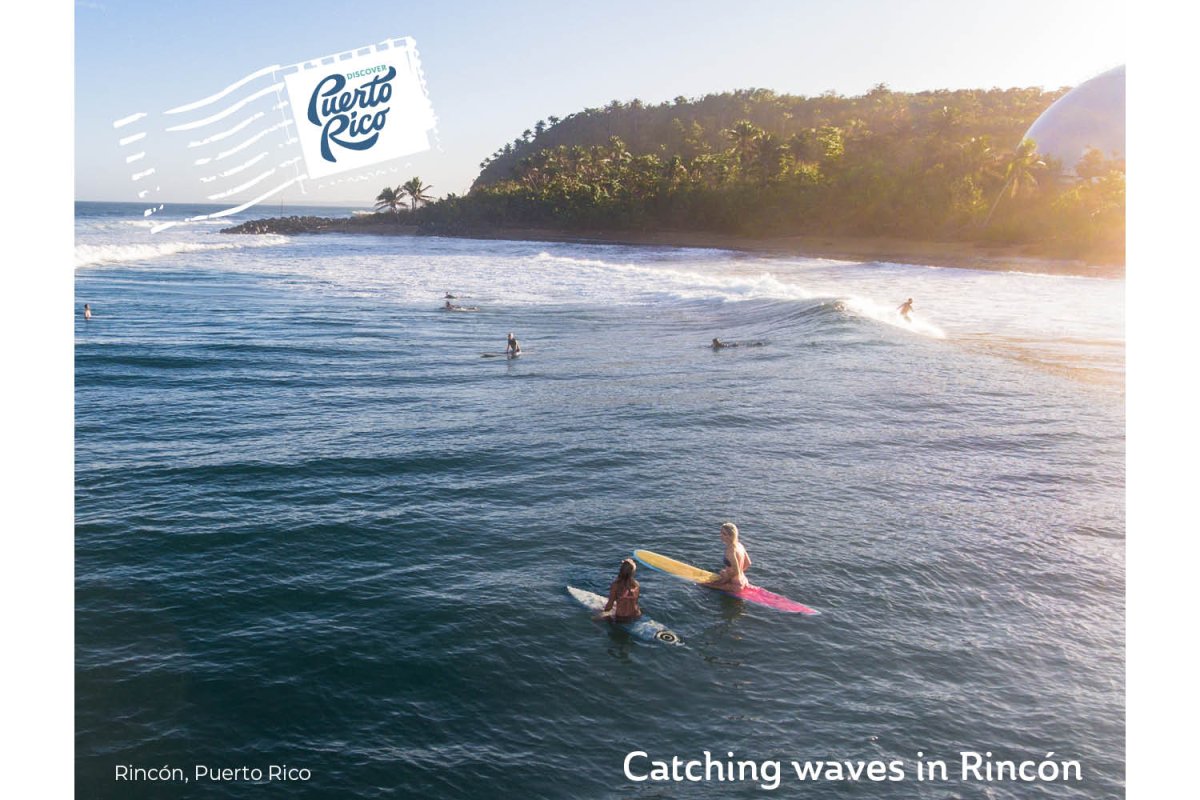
pixel 890 315
pixel 93 254
pixel 689 285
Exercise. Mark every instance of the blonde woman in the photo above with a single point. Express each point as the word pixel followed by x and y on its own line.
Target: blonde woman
pixel 732 577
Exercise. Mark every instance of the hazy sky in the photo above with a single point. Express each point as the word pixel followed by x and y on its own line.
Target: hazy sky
pixel 494 69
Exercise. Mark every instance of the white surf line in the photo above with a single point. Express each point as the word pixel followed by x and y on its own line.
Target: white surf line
pixel 131 139
pixel 365 176
pixel 123 121
pixel 239 147
pixel 212 98
pixel 238 168
pixel 137 176
pixel 216 137
pixel 248 203
pixel 135 157
pixel 259 157
pixel 286 121
pixel 200 123
pixel 244 186
pixel 236 209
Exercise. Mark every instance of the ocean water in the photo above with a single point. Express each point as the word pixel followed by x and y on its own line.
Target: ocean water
pixel 315 528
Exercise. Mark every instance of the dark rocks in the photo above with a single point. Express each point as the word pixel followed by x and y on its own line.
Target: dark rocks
pixel 385 224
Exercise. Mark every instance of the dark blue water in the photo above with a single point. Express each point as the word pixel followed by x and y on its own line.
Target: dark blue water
pixel 315 528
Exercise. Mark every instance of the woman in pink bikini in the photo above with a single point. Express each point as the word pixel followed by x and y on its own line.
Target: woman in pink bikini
pixel 623 596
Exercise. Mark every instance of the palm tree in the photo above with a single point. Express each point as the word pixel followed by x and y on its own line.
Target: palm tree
pixel 742 136
pixel 1019 173
pixel 389 199
pixel 676 172
pixel 415 191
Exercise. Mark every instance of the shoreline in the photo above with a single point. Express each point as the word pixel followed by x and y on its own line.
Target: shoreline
pixel 861 249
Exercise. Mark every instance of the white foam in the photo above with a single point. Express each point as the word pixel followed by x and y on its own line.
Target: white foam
pixel 93 254
pixel 889 315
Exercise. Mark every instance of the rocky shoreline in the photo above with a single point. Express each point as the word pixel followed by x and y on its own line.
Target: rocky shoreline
pixel 376 224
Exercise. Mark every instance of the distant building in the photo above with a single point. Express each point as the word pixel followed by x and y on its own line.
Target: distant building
pixel 1090 115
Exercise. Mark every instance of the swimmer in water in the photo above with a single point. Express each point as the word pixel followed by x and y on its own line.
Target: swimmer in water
pixel 717 344
pixel 732 577
pixel 906 309
pixel 513 348
pixel 87 312
pixel 623 596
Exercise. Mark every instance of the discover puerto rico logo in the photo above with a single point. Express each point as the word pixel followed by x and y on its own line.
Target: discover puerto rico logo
pixel 360 111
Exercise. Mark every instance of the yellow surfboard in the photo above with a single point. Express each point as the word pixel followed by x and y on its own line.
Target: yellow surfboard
pixel 752 593
pixel 685 571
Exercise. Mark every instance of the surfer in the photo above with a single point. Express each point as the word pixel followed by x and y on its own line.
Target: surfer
pixel 906 309
pixel 733 576
pixel 87 312
pixel 450 296
pixel 717 344
pixel 513 348
pixel 622 605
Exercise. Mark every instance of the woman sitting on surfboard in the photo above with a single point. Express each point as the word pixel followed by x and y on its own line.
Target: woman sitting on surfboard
pixel 513 348
pixel 737 561
pixel 623 595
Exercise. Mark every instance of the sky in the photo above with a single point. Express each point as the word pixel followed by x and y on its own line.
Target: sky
pixel 493 69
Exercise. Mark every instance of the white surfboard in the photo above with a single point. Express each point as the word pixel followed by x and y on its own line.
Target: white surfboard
pixel 643 627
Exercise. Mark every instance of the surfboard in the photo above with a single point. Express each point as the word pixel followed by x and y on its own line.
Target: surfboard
pixel 643 627
pixel 500 355
pixel 751 594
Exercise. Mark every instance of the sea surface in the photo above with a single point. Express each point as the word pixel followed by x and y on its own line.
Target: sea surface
pixel 315 528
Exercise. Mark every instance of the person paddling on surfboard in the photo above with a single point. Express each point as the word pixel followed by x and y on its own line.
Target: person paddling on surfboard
pixel 623 596
pixel 513 348
pixel 737 561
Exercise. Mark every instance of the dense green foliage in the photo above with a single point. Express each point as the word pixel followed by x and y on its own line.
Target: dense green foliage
pixel 948 164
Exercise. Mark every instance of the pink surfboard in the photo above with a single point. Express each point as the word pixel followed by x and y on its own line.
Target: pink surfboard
pixel 751 594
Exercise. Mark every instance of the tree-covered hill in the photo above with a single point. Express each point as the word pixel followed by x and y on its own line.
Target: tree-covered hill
pixel 690 127
pixel 929 165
